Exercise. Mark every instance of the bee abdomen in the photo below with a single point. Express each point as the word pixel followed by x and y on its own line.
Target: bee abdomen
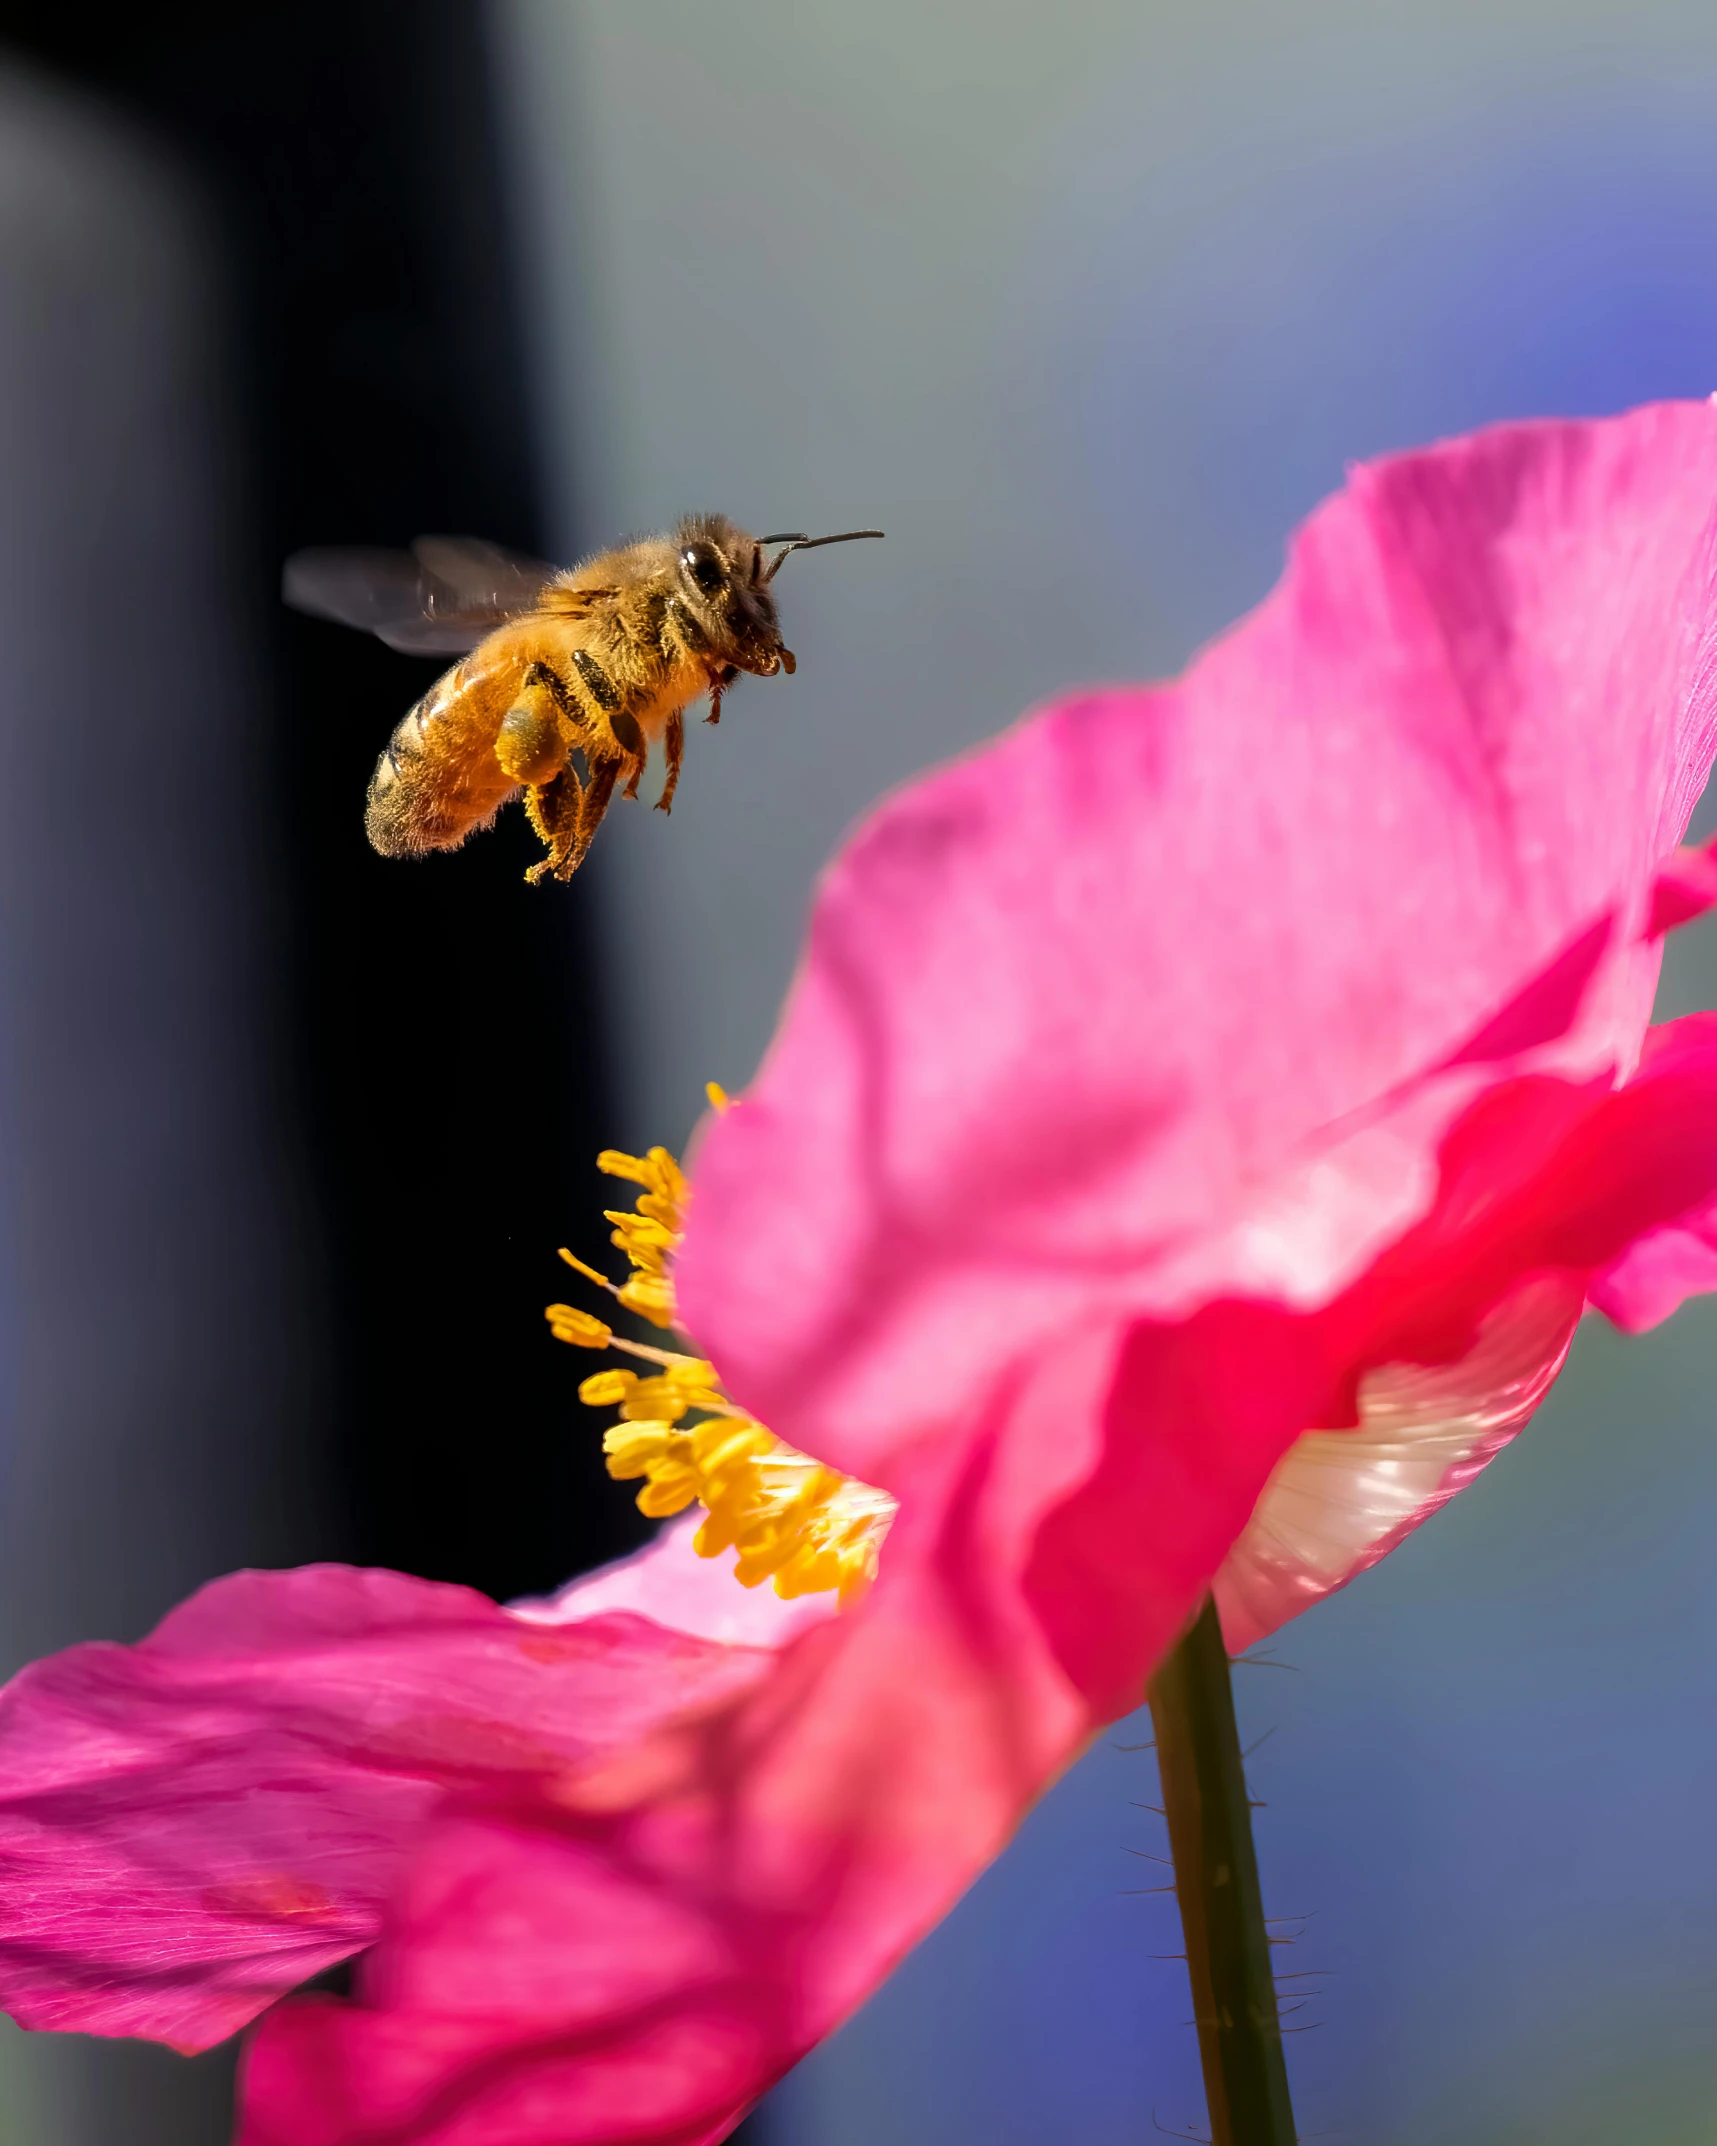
pixel 435 782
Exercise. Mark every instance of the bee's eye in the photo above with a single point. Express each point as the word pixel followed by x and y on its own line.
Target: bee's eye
pixel 704 567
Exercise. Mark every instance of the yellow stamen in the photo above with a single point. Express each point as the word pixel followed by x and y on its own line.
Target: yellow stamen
pixel 632 1447
pixel 581 1328
pixel 642 1236
pixel 719 1099
pixel 651 1296
pixel 667 1492
pixel 604 1388
pixel 788 1518
pixel 657 1172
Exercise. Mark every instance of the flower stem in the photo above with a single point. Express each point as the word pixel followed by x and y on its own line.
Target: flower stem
pixel 1216 1883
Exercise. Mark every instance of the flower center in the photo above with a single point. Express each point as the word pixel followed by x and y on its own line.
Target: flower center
pixel 789 1518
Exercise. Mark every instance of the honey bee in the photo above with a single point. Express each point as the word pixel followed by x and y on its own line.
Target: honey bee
pixel 596 663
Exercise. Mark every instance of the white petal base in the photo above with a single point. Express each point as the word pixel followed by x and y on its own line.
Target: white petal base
pixel 1341 1500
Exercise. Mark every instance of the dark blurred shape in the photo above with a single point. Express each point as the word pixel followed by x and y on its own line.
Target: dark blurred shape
pixel 448 1049
pixel 163 1369
pixel 288 1134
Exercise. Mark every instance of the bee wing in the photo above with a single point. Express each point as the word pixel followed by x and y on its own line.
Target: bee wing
pixel 482 576
pixel 439 599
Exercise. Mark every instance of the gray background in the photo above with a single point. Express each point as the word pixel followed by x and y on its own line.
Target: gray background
pixel 1086 305
pixel 160 1340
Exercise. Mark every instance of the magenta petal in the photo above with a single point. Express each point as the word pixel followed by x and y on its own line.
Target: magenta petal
pixel 1629 1171
pixel 1082 1014
pixel 1547 1006
pixel 1155 1081
pixel 191 1826
pixel 1685 888
pixel 1658 1274
pixel 638 1951
pixel 639 1955
pixel 1338 1501
pixel 1665 1265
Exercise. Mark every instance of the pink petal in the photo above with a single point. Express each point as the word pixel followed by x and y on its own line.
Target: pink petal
pixel 1154 1080
pixel 1083 1015
pixel 1658 1274
pixel 1339 1501
pixel 1540 1184
pixel 1685 888
pixel 672 1586
pixel 1662 1267
pixel 639 1952
pixel 191 1826
pixel 638 1957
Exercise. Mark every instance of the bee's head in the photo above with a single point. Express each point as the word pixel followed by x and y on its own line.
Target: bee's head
pixel 724 577
pixel 720 582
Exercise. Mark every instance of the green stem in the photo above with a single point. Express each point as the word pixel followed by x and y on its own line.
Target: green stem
pixel 1216 1883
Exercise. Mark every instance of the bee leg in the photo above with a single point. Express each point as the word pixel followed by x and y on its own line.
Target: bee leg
pixel 673 748
pixel 554 809
pixel 592 805
pixel 634 771
pixel 719 681
pixel 532 744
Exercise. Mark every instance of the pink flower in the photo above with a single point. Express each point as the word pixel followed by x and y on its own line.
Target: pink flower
pixel 1199 1123
pixel 193 1826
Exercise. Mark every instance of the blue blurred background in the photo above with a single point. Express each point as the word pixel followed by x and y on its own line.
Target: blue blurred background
pixel 1086 306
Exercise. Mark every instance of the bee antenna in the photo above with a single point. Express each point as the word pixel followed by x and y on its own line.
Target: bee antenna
pixel 795 541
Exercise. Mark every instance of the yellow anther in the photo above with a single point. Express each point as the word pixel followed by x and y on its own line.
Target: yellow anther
pixel 657 1172
pixel 643 1240
pixel 581 1328
pixel 651 1296
pixel 667 1397
pixel 787 1518
pixel 719 1099
pixel 673 1178
pixel 633 1448
pixel 666 1494
pixel 646 1228
pixel 603 1388
pixel 615 1162
pixel 590 1274
pixel 722 1444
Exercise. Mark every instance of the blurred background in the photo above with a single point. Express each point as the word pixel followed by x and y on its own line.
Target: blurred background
pixel 1085 306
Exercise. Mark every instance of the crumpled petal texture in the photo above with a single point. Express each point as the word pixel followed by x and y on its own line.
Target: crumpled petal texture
pixel 1155 1080
pixel 192 1826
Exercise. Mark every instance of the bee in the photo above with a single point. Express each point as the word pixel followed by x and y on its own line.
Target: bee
pixel 594 664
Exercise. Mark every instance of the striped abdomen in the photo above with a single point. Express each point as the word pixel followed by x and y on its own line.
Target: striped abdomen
pixel 439 779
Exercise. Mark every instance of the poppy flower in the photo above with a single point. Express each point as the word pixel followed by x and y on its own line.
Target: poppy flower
pixel 1199 1122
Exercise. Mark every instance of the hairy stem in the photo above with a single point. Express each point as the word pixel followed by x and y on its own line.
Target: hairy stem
pixel 1216 1883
